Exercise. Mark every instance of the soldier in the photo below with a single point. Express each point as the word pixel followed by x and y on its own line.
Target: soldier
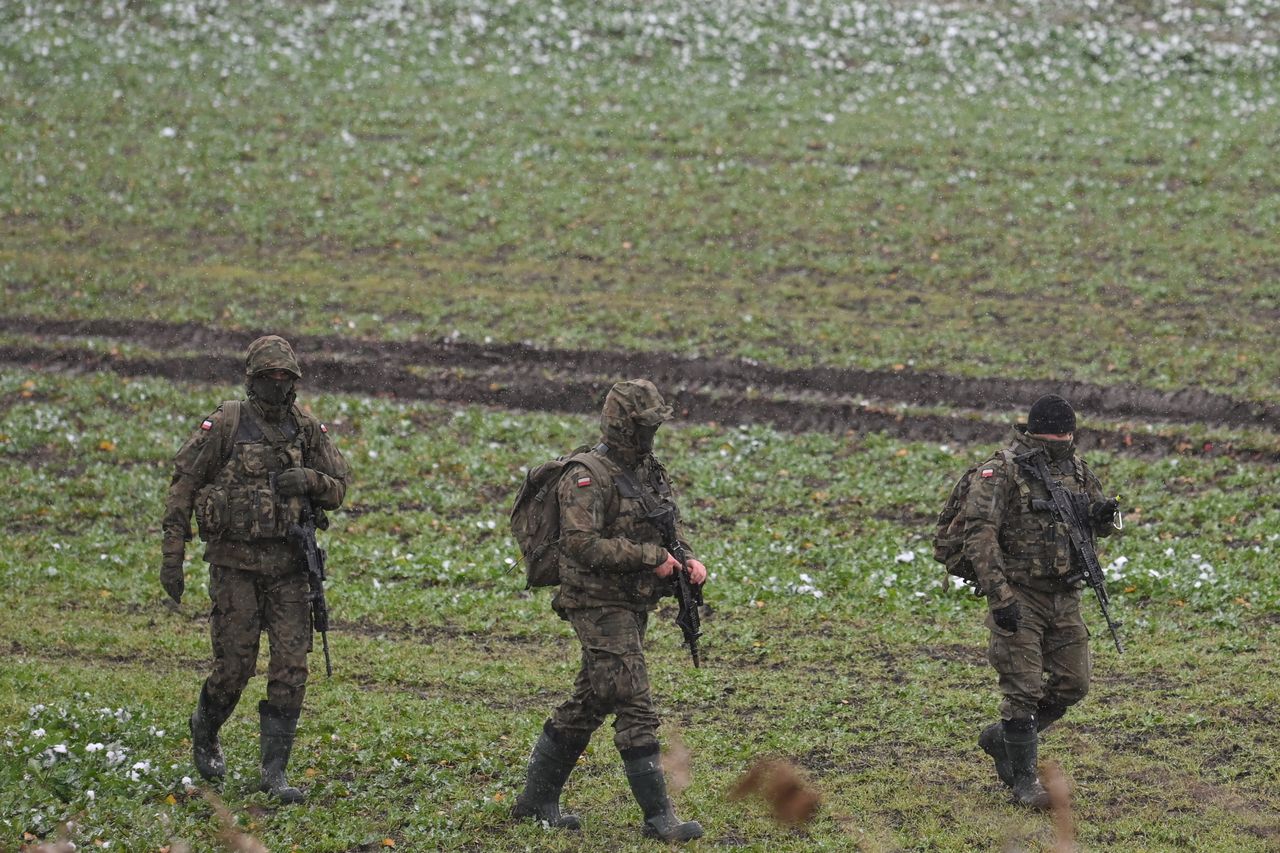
pixel 1038 643
pixel 613 571
pixel 245 472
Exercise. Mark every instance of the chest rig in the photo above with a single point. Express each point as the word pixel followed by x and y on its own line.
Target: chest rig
pixel 637 495
pixel 1041 545
pixel 241 503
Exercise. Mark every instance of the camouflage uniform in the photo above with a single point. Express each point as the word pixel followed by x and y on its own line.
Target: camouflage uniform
pixel 257 580
pixel 607 588
pixel 1022 556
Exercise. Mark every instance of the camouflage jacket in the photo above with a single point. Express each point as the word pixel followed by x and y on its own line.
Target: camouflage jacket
pixel 241 520
pixel 1006 539
pixel 608 549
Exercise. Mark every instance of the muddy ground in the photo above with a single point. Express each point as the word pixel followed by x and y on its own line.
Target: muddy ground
pixel 519 376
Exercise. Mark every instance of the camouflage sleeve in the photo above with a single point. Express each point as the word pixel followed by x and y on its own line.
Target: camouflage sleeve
pixel 984 512
pixel 582 518
pixel 1094 488
pixel 195 464
pixel 330 466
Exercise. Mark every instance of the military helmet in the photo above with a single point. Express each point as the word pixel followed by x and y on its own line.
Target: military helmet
pixel 633 403
pixel 270 352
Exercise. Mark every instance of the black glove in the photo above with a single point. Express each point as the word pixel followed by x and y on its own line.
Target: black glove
pixel 171 577
pixel 1006 618
pixel 296 481
pixel 1102 513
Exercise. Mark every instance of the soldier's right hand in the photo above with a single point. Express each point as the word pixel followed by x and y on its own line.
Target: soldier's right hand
pixel 1006 618
pixel 171 578
pixel 664 569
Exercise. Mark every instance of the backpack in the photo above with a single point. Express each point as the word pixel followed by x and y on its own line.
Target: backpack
pixel 948 536
pixel 535 516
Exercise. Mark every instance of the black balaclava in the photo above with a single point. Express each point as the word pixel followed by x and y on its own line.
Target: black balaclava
pixel 273 396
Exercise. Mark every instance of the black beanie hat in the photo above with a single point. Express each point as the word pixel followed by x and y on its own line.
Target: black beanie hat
pixel 1051 415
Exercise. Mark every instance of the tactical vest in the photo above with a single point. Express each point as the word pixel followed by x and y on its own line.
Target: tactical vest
pixel 240 503
pixel 1034 545
pixel 634 504
pixel 625 510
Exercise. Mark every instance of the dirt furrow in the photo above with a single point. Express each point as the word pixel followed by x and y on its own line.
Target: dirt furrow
pixel 1190 405
pixel 509 387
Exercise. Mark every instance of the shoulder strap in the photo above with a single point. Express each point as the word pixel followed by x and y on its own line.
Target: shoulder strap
pixel 230 423
pixel 1082 472
pixel 594 464
pixel 307 426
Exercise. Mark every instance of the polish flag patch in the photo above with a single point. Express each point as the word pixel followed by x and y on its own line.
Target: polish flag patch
pixel 323 428
pixel 583 482
pixel 206 424
pixel 988 472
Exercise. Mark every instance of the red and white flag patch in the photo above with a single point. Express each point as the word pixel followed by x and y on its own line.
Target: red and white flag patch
pixel 988 472
pixel 583 482
pixel 206 424
pixel 323 428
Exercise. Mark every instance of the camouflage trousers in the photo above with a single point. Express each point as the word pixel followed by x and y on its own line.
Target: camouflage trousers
pixel 244 605
pixel 613 680
pixel 1046 661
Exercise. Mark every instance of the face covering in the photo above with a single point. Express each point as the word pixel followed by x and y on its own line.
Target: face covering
pixel 275 393
pixel 1059 449
pixel 644 439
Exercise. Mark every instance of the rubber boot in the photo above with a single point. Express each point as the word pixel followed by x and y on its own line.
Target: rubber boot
pixel 992 742
pixel 206 751
pixel 649 787
pixel 1048 713
pixel 549 767
pixel 276 742
pixel 992 738
pixel 1020 744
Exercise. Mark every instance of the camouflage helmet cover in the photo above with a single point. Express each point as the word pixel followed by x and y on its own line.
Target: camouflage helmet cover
pixel 270 352
pixel 629 404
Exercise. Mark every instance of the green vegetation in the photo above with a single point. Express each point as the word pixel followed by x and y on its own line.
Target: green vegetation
pixel 945 188
pixel 1037 190
pixel 832 643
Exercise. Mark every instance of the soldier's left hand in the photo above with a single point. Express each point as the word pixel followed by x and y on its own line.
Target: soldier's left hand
pixel 697 572
pixel 296 481
pixel 1102 513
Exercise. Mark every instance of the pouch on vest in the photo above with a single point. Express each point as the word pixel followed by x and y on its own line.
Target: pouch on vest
pixel 535 516
pixel 213 513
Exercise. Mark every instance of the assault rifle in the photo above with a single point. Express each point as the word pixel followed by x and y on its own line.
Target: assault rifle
pixel 303 533
pixel 1072 510
pixel 689 596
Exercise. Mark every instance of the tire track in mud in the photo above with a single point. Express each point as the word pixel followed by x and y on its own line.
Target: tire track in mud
pixel 517 376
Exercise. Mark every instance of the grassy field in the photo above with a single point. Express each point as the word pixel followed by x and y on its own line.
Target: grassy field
pixel 940 187
pixel 831 644
pixel 1023 190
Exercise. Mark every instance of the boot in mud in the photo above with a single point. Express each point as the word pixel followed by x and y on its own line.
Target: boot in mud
pixel 649 786
pixel 549 767
pixel 1021 744
pixel 276 742
pixel 206 751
